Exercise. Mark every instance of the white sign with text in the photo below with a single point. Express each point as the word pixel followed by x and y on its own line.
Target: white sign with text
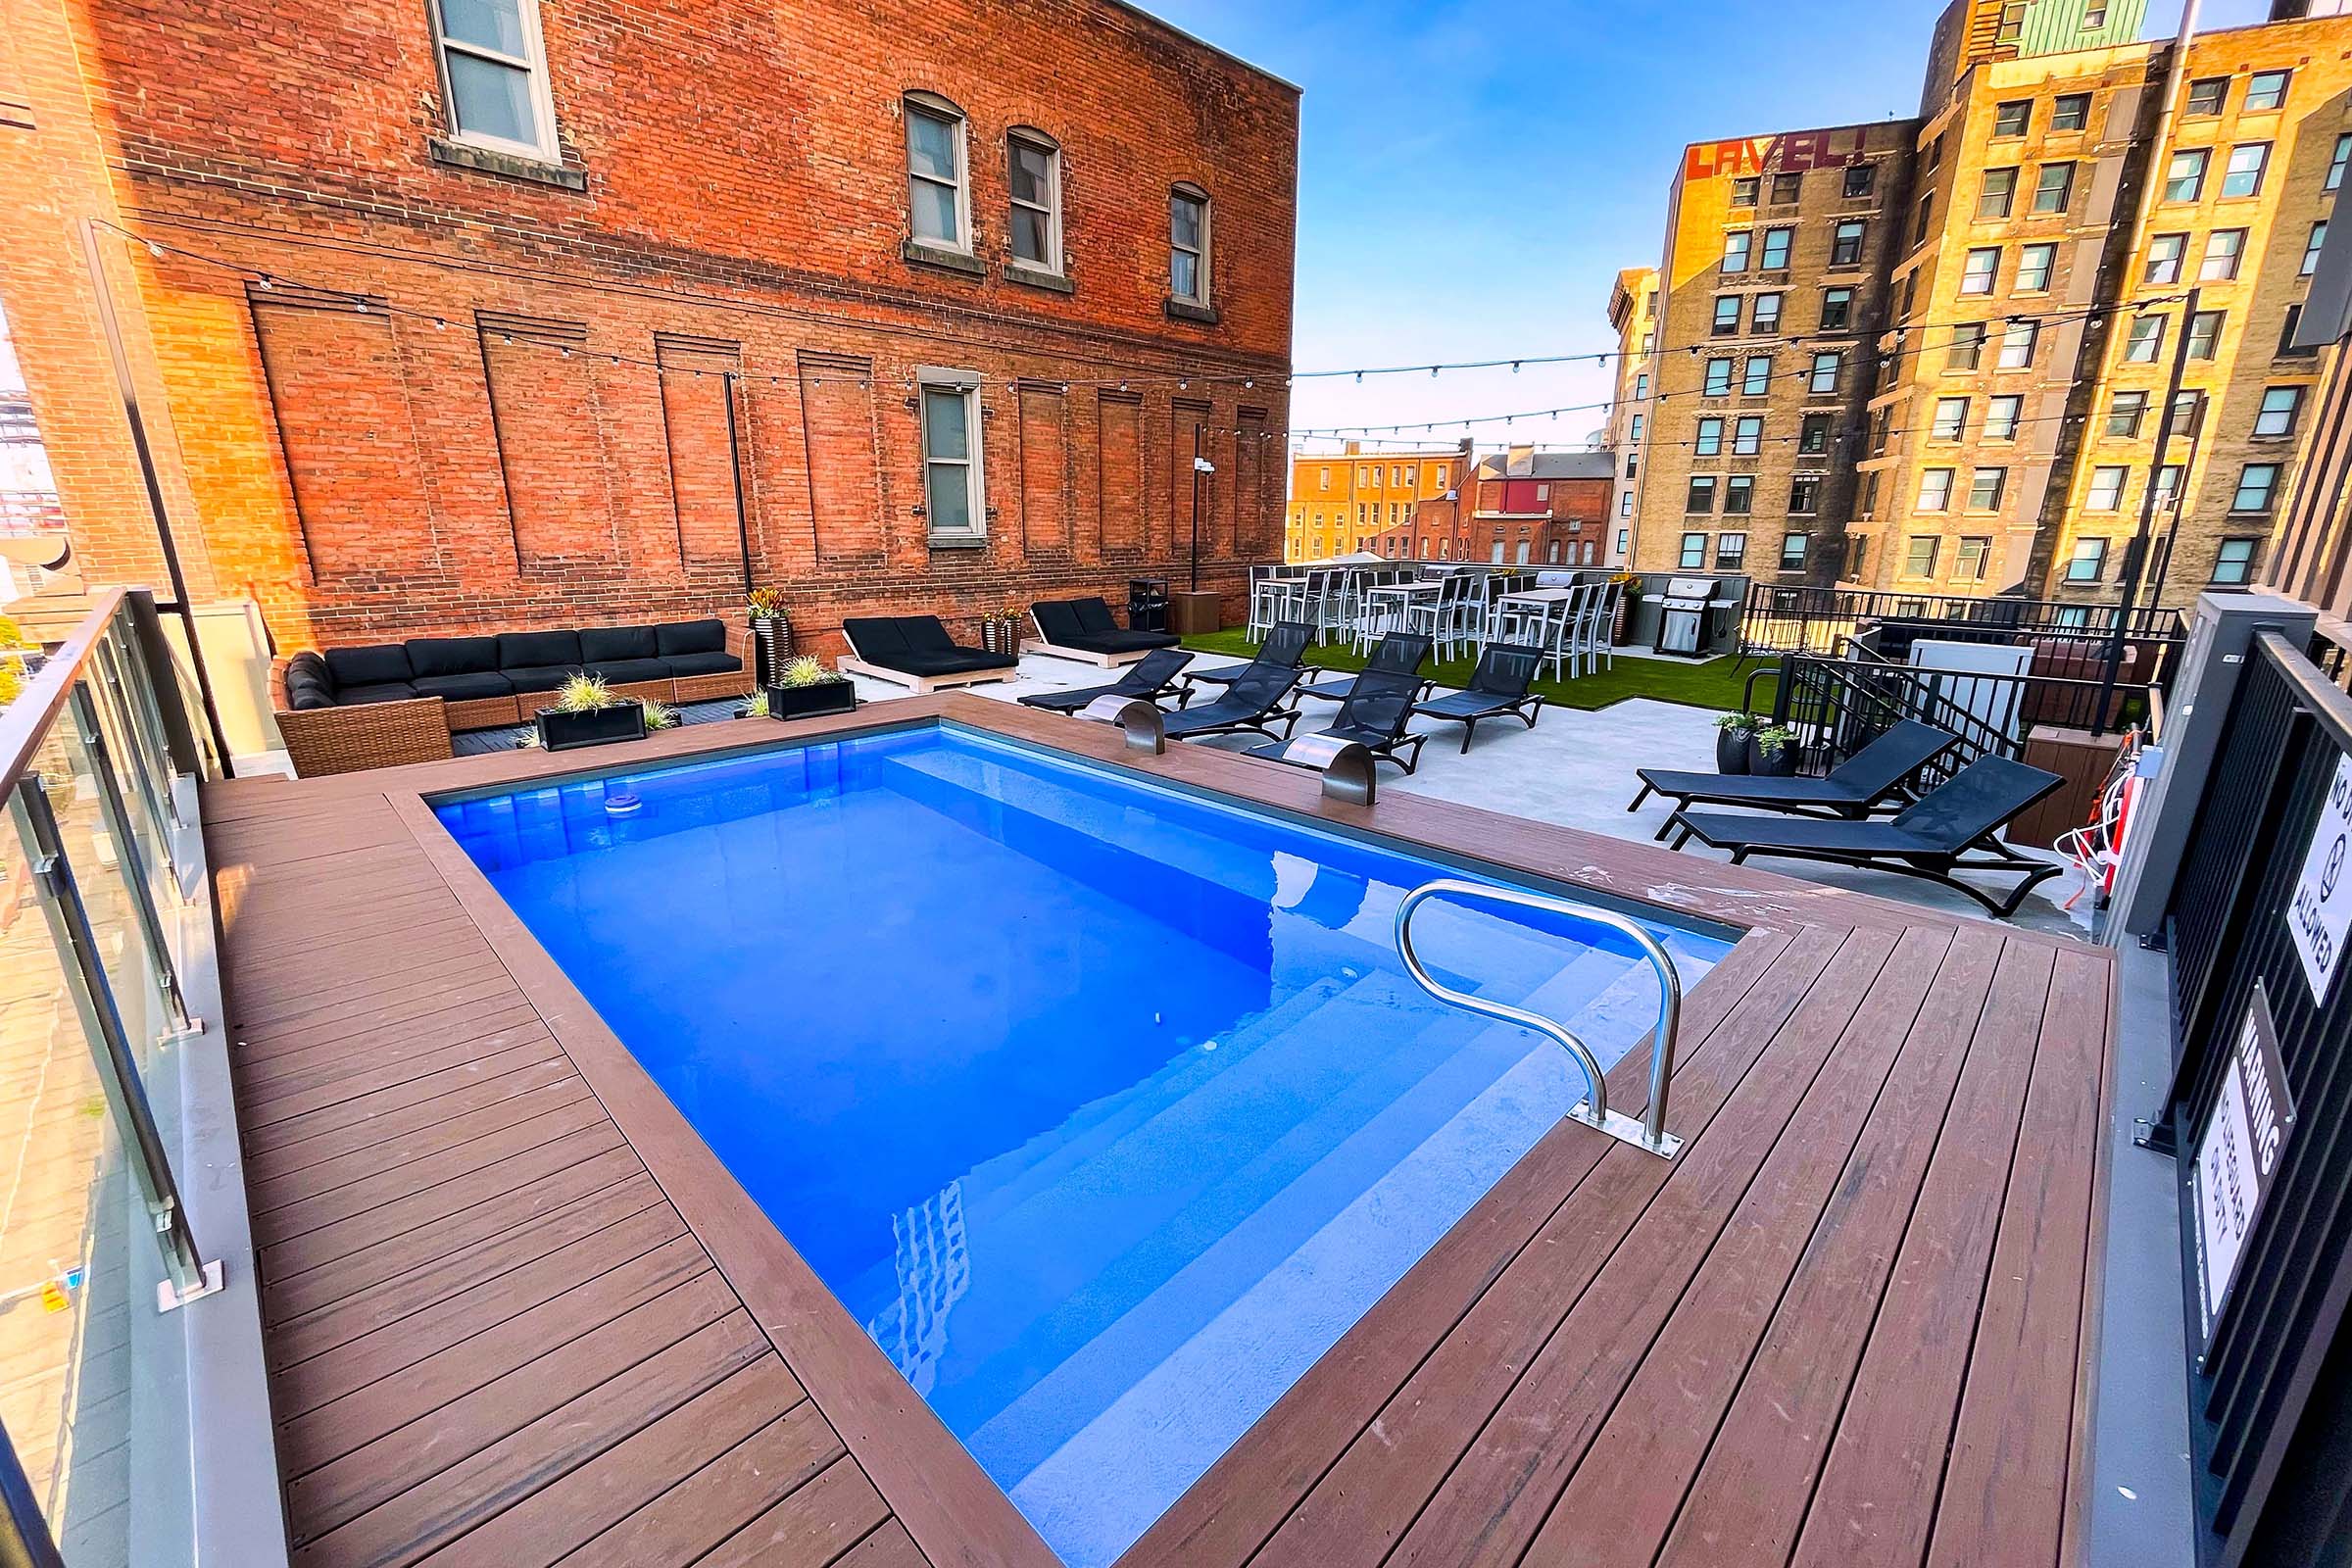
pixel 2321 914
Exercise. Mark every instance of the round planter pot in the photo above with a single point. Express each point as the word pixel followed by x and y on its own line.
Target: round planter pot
pixel 1731 751
pixel 1781 763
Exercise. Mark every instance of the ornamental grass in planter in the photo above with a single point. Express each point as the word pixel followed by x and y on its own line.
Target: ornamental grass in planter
pixel 807 689
pixel 586 712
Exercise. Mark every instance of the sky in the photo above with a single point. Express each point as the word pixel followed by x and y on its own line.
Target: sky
pixel 1473 173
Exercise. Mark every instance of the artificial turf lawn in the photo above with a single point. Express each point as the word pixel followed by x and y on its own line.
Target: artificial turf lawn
pixel 1718 683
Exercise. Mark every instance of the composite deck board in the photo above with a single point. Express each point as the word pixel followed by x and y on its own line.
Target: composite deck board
pixel 516 1314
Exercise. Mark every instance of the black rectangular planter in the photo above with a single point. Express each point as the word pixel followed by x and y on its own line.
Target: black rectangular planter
pixel 560 731
pixel 808 701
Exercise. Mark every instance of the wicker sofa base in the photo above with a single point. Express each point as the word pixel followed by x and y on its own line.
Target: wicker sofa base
pixel 351 740
pixel 710 688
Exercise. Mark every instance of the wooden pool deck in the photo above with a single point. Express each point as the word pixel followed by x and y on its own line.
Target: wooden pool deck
pixel 516 1314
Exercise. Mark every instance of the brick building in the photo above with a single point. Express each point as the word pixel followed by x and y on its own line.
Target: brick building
pixel 1341 502
pixel 1521 507
pixel 1634 313
pixel 488 315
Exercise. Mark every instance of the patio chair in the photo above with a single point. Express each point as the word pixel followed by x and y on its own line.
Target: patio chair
pixel 1149 678
pixel 916 652
pixel 1868 781
pixel 1373 716
pixel 1498 686
pixel 1252 701
pixel 1399 653
pixel 1284 645
pixel 1931 838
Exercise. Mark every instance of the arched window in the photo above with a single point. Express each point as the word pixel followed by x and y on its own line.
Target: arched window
pixel 1033 180
pixel 938 174
pixel 1188 244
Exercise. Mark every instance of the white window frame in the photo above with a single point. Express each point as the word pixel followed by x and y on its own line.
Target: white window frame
pixel 1203 269
pixel 933 107
pixel 532 61
pixel 933 379
pixel 1036 141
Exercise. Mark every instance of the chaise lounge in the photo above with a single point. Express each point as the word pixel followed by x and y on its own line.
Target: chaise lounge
pixel 1869 781
pixel 1083 629
pixel 1933 838
pixel 916 652
pixel 1499 685
pixel 1147 680
pixel 1252 702
pixel 1373 716
pixel 387 704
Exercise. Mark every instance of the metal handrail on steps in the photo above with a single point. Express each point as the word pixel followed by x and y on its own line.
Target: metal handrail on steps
pixel 1593 1111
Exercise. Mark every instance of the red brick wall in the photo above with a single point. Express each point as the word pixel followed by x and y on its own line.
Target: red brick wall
pixel 473 456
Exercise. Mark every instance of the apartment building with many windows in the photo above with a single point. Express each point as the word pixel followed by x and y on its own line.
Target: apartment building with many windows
pixel 2058 210
pixel 1771 295
pixel 1634 313
pixel 1341 501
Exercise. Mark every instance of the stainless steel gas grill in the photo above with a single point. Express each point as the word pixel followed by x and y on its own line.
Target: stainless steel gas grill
pixel 1683 614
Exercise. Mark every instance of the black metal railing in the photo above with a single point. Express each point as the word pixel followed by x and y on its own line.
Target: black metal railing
pixel 2270 1407
pixel 1836 705
pixel 1822 620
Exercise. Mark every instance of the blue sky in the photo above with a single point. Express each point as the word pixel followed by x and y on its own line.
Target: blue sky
pixel 1473 173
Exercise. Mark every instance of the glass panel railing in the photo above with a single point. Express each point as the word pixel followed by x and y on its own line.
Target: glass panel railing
pixel 96 1252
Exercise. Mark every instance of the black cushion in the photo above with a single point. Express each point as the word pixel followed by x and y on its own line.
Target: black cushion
pixel 388 691
pixel 925 634
pixel 688 637
pixel 1057 618
pixel 452 656
pixel 374 665
pixel 630 671
pixel 538 650
pixel 470 686
pixel 874 636
pixel 949 661
pixel 1124 642
pixel 603 645
pixel 681 664
pixel 1094 617
pixel 543 678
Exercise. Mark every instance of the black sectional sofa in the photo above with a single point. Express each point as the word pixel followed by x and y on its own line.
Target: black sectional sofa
pixel 915 650
pixel 1085 629
pixel 375 705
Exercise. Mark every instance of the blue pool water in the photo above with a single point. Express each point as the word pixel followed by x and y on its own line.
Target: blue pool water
pixel 1107 1108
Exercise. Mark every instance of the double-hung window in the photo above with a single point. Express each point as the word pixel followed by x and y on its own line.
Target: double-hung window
pixel 1935 490
pixel 1845 242
pixel 1033 166
pixel 1727 316
pixel 1970 559
pixel 2224 249
pixel 2185 174
pixel 1966 348
pixel 1747 435
pixel 1776 248
pixel 2204 335
pixel 1764 315
pixel 2125 413
pixel 2143 340
pixel 1859 177
pixel 1951 418
pixel 1984 489
pixel 938 191
pixel 494 76
pixel 1823 377
pixel 2256 484
pixel 2337 159
pixel 2279 406
pixel 1804 494
pixel 1837 309
pixel 2266 90
pixel 2017 345
pixel 2088 562
pixel 2311 249
pixel 1188 244
pixel 2163 258
pixel 1736 246
pixel 1982 267
pixel 1718 383
pixel 2070 110
pixel 2233 562
pixel 1739 495
pixel 1919 555
pixel 1709 440
pixel 2000 416
pixel 953 495
pixel 2244 175
pixel 1998 191
pixel 2033 264
pixel 1755 377
pixel 1700 496
pixel 2055 188
pixel 2106 493
pixel 1813 435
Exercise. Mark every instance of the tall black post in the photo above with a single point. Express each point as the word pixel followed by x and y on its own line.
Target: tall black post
pixel 1195 588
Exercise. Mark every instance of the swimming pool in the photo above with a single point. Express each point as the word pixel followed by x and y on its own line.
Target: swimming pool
pixel 1105 1107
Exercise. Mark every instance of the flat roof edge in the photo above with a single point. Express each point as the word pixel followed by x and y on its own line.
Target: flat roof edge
pixel 1133 9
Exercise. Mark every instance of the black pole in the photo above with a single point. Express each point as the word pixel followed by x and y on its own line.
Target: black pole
pixel 155 488
pixel 743 523
pixel 2136 555
pixel 1196 509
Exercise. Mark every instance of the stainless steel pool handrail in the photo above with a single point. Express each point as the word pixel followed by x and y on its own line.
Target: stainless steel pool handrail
pixel 1594 1111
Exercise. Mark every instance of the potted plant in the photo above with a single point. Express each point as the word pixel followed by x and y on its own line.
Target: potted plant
pixel 805 688
pixel 585 713
pixel 772 634
pixel 1002 633
pixel 1732 731
pixel 1771 750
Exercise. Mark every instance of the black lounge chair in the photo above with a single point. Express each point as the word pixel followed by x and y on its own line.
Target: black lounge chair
pixel 1085 629
pixel 1930 838
pixel 1283 647
pixel 1373 716
pixel 1252 701
pixel 1400 652
pixel 1498 686
pixel 1870 780
pixel 916 651
pixel 1148 680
